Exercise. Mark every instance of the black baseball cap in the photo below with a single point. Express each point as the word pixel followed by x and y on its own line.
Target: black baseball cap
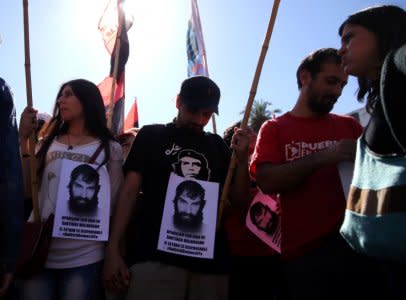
pixel 200 92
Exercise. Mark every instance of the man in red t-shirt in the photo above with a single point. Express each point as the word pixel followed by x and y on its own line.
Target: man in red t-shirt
pixel 296 157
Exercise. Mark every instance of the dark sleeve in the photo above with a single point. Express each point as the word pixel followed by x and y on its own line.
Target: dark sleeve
pixel 134 161
pixel 6 108
pixel 139 156
pixel 393 94
pixel 400 59
pixel 11 185
pixel 226 151
pixel 225 154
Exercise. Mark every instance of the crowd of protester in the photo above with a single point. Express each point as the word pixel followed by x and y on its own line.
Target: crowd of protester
pixel 141 215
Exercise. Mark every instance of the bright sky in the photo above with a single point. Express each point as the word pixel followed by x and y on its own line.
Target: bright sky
pixel 66 44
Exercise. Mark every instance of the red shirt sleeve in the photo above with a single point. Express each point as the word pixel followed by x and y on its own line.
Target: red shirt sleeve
pixel 267 147
pixel 357 128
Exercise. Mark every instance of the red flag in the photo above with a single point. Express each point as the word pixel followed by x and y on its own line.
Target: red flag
pixel 105 88
pixel 112 25
pixel 132 117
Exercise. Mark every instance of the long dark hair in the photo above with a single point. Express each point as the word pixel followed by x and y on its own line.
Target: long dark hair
pixel 95 119
pixel 388 23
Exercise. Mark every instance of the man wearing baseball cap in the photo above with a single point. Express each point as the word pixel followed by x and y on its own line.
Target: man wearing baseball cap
pixel 200 92
pixel 180 271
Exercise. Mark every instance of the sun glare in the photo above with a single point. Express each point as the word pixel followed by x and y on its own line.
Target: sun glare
pixel 154 23
pixel 129 8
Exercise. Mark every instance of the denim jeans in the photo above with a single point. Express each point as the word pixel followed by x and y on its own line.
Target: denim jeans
pixel 80 283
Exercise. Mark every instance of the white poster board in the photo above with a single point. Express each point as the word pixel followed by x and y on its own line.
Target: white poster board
pixel 188 225
pixel 83 202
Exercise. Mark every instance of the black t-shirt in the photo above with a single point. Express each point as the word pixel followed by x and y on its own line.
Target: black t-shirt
pixel 154 154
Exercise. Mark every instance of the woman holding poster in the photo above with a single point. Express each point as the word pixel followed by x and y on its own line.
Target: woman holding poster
pixel 80 194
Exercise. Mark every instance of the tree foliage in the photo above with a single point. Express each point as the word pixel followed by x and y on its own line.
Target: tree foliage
pixel 260 113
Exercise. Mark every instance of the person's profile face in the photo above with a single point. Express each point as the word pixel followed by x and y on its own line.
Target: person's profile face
pixel 360 52
pixel 188 208
pixel 190 166
pixel 70 107
pixel 326 87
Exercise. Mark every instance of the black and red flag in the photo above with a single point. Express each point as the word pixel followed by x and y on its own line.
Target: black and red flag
pixel 131 120
pixel 113 26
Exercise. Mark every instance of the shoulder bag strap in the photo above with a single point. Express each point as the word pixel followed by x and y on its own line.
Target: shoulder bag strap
pixel 96 154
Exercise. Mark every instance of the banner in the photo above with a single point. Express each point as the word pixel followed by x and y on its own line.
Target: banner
pixel 196 51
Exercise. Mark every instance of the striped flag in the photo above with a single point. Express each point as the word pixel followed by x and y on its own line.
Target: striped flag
pixel 131 120
pixel 195 49
pixel 196 52
pixel 108 25
pixel 112 22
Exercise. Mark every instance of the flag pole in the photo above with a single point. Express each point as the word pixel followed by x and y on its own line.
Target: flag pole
pixel 233 162
pixel 116 50
pixel 206 66
pixel 123 110
pixel 32 140
pixel 113 84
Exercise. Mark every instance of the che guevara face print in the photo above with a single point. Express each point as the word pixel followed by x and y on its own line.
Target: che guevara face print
pixel 191 164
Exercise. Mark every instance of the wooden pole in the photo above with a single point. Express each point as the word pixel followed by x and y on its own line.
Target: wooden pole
pixel 32 140
pixel 213 122
pixel 253 91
